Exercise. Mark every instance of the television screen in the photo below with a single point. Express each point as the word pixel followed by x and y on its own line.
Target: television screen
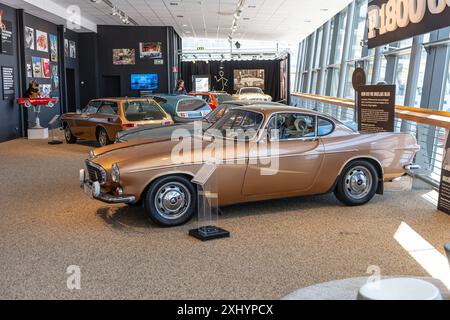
pixel 144 81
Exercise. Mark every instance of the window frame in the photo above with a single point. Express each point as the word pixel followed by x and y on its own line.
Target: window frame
pixel 292 139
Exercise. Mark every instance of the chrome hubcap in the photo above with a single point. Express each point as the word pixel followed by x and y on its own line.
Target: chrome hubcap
pixel 67 133
pixel 172 200
pixel 358 182
pixel 102 138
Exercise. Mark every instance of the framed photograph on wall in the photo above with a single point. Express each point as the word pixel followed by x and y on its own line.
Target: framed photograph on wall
pixel 66 48
pixel 46 72
pixel 29 38
pixel 41 41
pixel 150 50
pixel 72 49
pixel 55 76
pixel 53 48
pixel 249 78
pixel 29 70
pixel 46 90
pixel 201 83
pixel 37 67
pixel 7 38
pixel 124 57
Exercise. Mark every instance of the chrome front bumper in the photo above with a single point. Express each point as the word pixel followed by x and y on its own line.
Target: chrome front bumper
pixel 411 168
pixel 93 190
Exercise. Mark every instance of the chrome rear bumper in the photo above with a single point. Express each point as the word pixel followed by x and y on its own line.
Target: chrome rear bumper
pixel 93 190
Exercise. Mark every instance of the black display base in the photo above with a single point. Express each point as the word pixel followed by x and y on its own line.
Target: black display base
pixel 53 142
pixel 209 233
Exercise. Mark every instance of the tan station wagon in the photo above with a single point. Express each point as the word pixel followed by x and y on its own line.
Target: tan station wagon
pixel 102 119
pixel 283 152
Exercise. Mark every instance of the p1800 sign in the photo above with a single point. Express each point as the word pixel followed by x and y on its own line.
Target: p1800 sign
pixel 393 20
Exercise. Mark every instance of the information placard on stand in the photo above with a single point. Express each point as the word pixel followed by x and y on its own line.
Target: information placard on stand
pixel 444 187
pixel 208 204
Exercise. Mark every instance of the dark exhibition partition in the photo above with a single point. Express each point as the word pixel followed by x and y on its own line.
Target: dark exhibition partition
pixel 273 70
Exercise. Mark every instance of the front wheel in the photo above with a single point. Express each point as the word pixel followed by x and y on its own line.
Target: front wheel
pixel 357 184
pixel 171 201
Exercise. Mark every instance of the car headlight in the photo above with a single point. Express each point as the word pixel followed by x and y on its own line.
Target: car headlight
pixel 91 154
pixel 115 173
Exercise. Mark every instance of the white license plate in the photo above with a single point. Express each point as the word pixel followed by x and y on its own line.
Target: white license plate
pixel 88 190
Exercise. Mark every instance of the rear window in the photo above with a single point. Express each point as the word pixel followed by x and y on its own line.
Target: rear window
pixel 192 105
pixel 142 111
pixel 223 98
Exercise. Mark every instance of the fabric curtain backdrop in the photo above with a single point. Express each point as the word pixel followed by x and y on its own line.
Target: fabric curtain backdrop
pixel 271 74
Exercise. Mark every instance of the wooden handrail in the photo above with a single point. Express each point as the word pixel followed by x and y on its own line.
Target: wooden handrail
pixel 420 115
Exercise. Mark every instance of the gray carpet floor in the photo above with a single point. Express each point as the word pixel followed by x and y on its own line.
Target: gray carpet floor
pixel 276 247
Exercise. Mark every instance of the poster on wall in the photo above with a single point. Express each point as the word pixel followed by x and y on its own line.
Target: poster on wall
pixel 124 57
pixel 7 43
pixel 248 78
pixel 37 67
pixel 46 90
pixel 390 21
pixel 72 49
pixel 8 83
pixel 376 108
pixel 55 76
pixel 41 41
pixel 46 72
pixel 444 187
pixel 150 50
pixel 66 48
pixel 53 48
pixel 29 70
pixel 29 38
pixel 200 83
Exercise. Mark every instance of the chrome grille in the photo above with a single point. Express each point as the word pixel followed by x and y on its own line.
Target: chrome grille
pixel 95 172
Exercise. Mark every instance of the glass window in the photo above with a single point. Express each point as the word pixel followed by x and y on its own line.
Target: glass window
pixel 192 105
pixel 318 48
pixel 359 25
pixel 340 36
pixel 446 102
pixel 142 111
pixel 349 93
pixel 218 112
pixel 92 107
pixel 423 64
pixel 324 127
pixel 334 73
pixel 401 77
pixel 108 107
pixel 223 98
pixel 206 98
pixel 239 124
pixel 289 126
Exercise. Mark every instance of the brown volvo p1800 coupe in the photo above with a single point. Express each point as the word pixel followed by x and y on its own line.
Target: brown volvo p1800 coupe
pixel 102 119
pixel 263 152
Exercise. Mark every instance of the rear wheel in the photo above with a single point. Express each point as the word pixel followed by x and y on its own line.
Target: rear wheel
pixel 171 201
pixel 70 138
pixel 102 137
pixel 357 184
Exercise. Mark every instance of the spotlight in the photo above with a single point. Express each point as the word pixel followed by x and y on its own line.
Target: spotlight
pixel 237 45
pixel 115 11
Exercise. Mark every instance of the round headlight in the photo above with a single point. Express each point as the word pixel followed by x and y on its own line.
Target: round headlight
pixel 91 154
pixel 115 173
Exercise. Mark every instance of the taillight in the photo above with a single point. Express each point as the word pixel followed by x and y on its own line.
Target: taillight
pixel 128 125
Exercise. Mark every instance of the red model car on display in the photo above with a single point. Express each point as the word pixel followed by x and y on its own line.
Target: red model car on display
pixel 214 98
pixel 36 104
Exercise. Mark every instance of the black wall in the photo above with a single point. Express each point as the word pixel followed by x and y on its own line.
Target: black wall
pixel 118 37
pixel 89 69
pixel 212 68
pixel 10 119
pixel 74 64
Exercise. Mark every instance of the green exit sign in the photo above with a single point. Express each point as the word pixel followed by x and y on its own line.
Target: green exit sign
pixel 159 62
pixel 200 48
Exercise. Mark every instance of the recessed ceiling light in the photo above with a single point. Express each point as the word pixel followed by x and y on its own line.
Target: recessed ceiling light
pixel 252 7
pixel 308 21
pixel 246 19
pixel 173 3
pixel 324 9
pixel 180 16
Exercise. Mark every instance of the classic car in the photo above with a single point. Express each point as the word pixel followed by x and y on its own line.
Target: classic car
pixel 182 108
pixel 102 119
pixel 252 94
pixel 166 131
pixel 213 98
pixel 298 152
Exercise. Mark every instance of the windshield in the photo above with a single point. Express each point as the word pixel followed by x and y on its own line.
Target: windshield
pixel 192 105
pixel 218 113
pixel 238 124
pixel 251 91
pixel 142 111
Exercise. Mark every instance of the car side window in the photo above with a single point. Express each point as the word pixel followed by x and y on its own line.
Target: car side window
pixel 324 127
pixel 289 126
pixel 108 107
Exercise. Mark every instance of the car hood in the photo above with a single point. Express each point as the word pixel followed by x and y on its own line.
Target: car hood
pixel 247 96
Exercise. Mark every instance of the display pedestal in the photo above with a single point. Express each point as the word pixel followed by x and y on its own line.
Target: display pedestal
pixel 37 133
pixel 209 233
pixel 208 208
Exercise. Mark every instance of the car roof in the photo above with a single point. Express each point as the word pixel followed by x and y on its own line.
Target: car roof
pixel 268 109
pixel 174 97
pixel 117 99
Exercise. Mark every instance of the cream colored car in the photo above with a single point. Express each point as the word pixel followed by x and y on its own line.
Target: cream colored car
pixel 252 94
